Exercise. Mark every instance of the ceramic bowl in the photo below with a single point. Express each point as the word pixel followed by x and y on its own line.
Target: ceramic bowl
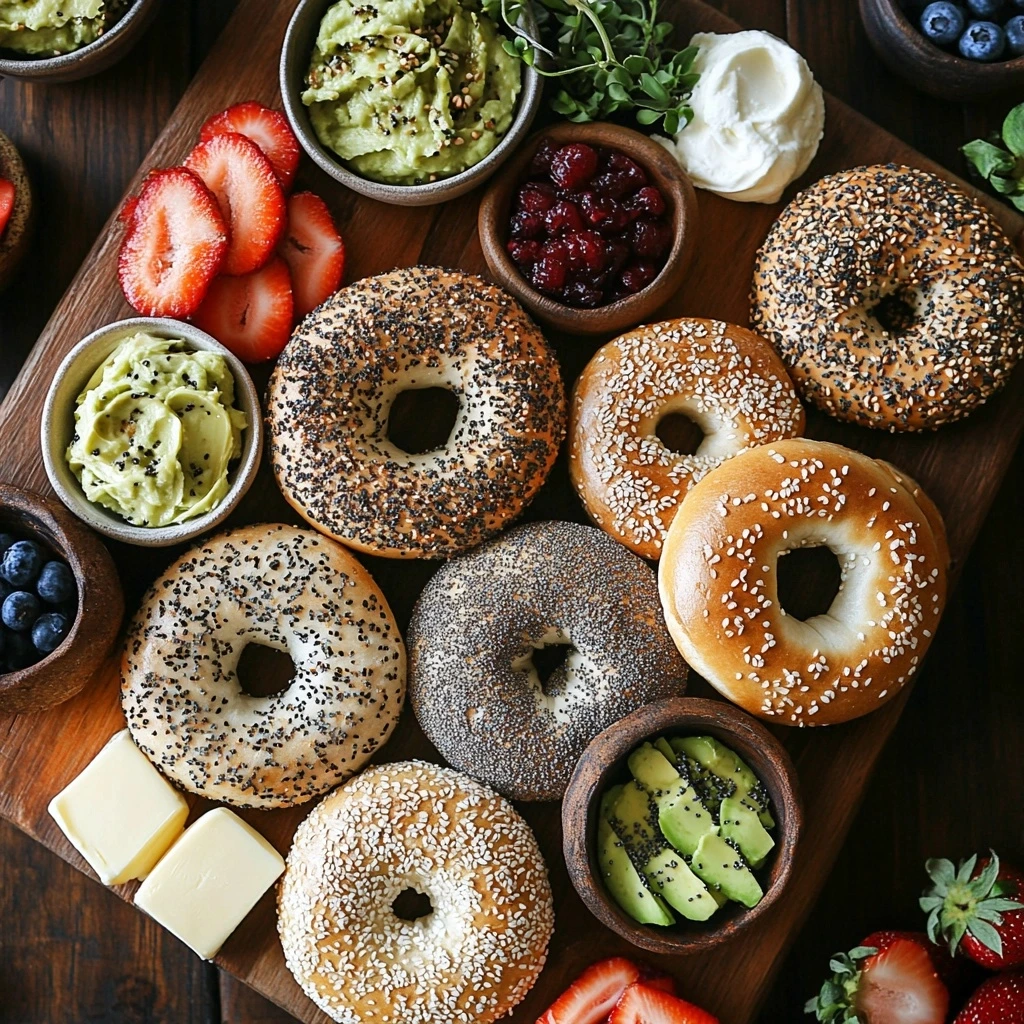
pixel 603 764
pixel 907 53
pixel 86 60
pixel 299 40
pixel 62 673
pixel 662 169
pixel 58 425
pixel 14 241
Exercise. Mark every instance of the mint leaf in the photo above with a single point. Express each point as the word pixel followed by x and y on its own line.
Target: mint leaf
pixel 1013 130
pixel 987 159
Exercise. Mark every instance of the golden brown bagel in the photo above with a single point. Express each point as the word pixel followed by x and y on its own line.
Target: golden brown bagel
pixel 331 394
pixel 895 300
pixel 719 584
pixel 419 826
pixel 725 378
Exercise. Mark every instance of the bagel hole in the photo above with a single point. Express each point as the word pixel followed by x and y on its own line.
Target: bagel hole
pixel 896 312
pixel 547 660
pixel 264 671
pixel 808 581
pixel 679 434
pixel 422 419
pixel 411 904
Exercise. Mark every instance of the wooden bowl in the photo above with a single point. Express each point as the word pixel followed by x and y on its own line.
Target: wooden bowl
pixel 66 670
pixel 86 60
pixel 665 172
pixel 299 40
pixel 907 53
pixel 603 764
pixel 15 239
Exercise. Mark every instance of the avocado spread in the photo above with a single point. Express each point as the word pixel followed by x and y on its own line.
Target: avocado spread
pixel 155 430
pixel 408 91
pixel 43 28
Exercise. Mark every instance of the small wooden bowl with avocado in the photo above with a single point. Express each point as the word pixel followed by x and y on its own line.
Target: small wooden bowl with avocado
pixel 659 773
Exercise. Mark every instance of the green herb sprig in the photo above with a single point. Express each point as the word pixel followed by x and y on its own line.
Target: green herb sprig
pixel 1002 168
pixel 610 57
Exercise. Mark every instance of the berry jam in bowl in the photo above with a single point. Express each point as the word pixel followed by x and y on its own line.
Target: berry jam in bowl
pixel 590 226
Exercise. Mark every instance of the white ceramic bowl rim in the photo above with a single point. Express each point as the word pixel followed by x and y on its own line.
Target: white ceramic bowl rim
pixel 57 426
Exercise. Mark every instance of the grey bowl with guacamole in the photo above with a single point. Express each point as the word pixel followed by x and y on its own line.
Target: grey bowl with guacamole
pixel 411 102
pixel 151 431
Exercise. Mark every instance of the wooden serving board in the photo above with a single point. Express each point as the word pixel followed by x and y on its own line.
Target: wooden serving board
pixel 961 467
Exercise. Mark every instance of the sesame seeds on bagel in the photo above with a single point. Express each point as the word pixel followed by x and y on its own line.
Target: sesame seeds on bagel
pixel 895 300
pixel 415 825
pixel 331 393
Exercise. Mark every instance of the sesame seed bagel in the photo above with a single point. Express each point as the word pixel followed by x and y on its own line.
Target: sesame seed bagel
pixel 419 826
pixel 719 582
pixel 331 394
pixel 725 378
pixel 895 300
pixel 284 588
pixel 477 626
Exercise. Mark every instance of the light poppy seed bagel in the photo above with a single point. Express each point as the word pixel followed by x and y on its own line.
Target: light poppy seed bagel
pixel 719 582
pixel 289 589
pixel 412 825
pixel 894 299
pixel 330 398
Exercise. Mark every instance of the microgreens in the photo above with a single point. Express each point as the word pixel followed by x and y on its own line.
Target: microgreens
pixel 1002 168
pixel 609 55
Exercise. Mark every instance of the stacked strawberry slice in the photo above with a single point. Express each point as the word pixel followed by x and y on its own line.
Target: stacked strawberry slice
pixel 7 197
pixel 219 240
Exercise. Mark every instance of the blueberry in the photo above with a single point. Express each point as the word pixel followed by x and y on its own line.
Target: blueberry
pixel 6 540
pixel 48 632
pixel 19 610
pixel 21 562
pixel 942 22
pixel 1014 30
pixel 18 651
pixel 984 9
pixel 55 583
pixel 983 41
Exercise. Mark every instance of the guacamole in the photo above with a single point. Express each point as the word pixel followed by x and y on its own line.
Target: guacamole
pixel 408 91
pixel 43 28
pixel 155 430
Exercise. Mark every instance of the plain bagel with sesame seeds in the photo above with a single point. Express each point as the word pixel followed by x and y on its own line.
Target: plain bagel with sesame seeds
pixel 284 588
pixel 725 378
pixel 719 581
pixel 894 299
pixel 413 825
pixel 475 633
pixel 331 394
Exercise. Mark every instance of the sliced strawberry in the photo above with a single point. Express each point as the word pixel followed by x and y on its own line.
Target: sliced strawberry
pixel 7 196
pixel 173 246
pixel 128 208
pixel 251 314
pixel 269 129
pixel 593 995
pixel 314 251
pixel 250 197
pixel 954 972
pixel 653 979
pixel 641 1004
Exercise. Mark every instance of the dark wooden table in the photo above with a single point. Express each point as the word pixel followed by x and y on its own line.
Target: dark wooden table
pixel 950 781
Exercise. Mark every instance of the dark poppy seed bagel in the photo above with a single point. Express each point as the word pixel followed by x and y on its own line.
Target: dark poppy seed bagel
pixel 479 622
pixel 894 299
pixel 725 378
pixel 331 394
pixel 288 589
pixel 412 825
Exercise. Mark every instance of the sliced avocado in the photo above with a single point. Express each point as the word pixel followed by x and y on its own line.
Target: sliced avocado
pixel 633 816
pixel 666 748
pixel 682 815
pixel 715 757
pixel 739 822
pixel 721 865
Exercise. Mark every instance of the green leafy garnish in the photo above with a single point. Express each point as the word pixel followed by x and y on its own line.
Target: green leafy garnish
pixel 1000 159
pixel 609 55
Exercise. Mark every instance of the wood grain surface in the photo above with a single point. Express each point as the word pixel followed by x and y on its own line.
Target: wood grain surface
pixel 930 791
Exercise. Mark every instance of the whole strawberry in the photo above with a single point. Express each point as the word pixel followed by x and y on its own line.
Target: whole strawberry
pixel 973 908
pixel 1000 1000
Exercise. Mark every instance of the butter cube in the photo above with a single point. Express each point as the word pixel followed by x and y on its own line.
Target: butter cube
pixel 120 813
pixel 209 880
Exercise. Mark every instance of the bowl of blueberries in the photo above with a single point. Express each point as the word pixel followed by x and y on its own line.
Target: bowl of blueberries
pixel 60 602
pixel 953 49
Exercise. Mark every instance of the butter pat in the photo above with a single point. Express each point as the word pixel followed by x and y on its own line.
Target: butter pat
pixel 209 880
pixel 120 813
